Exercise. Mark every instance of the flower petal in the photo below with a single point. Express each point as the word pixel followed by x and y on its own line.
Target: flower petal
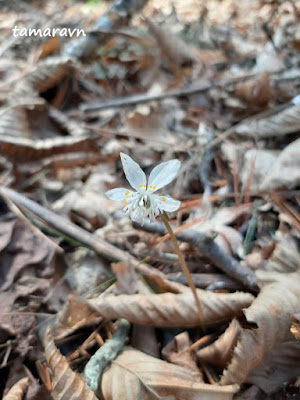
pixel 163 174
pixel 119 194
pixel 166 203
pixel 133 172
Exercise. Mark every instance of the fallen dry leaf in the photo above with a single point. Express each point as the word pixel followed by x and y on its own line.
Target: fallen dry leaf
pixel 134 375
pixel 171 309
pixel 18 390
pixel 22 246
pixel 295 328
pixel 75 314
pixel 277 124
pixel 279 366
pixel 220 352
pixel 66 384
pixel 285 171
pixel 270 312
pixel 176 352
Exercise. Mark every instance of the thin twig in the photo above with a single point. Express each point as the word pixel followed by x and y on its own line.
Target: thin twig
pixel 183 265
pixel 208 247
pixel 145 98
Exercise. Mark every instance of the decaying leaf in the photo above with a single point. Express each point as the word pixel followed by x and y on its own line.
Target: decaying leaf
pixel 45 74
pixel 279 366
pixel 255 92
pixel 22 246
pixel 18 390
pixel 74 315
pixel 277 124
pixel 295 328
pixel 270 312
pixel 220 352
pixel 66 384
pixel 176 352
pixel 285 171
pixel 171 309
pixel 258 163
pixel 285 256
pixel 135 375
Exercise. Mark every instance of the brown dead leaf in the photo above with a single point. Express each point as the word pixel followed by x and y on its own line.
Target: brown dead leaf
pixel 27 248
pixel 18 390
pixel 139 376
pixel 46 74
pixel 280 366
pixel 75 314
pixel 270 312
pixel 176 352
pixel 255 92
pixel 66 384
pixel 295 328
pixel 220 352
pixel 280 122
pixel 285 171
pixel 285 256
pixel 171 309
pixel 172 48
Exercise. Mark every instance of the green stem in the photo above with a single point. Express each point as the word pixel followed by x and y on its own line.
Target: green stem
pixel 183 265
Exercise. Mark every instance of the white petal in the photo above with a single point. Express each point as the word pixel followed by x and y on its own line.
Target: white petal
pixel 163 174
pixel 119 194
pixel 133 172
pixel 167 203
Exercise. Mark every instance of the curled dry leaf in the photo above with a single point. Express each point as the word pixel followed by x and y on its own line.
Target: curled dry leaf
pixel 169 309
pixel 66 384
pixel 285 171
pixel 295 328
pixel 279 366
pixel 14 122
pixel 220 352
pixel 74 315
pixel 135 375
pixel 46 74
pixel 270 312
pixel 176 352
pixel 18 390
pixel 285 256
pixel 278 124
pixel 255 92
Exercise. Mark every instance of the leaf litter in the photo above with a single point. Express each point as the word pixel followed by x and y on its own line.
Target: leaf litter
pixel 213 85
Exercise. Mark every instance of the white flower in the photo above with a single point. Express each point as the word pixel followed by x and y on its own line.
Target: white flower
pixel 144 204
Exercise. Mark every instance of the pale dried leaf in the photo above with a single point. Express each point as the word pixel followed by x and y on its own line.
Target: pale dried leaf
pixel 18 390
pixel 285 256
pixel 14 122
pixel 135 375
pixel 270 311
pixel 46 74
pixel 66 384
pixel 285 171
pixel 220 352
pixel 171 309
pixel 280 366
pixel 75 314
pixel 257 163
pixel 176 352
pixel 278 124
pixel 295 328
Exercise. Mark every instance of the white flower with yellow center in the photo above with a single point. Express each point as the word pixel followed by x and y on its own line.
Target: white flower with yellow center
pixel 144 204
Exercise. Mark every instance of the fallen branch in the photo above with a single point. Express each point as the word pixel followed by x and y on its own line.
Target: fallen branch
pixel 209 248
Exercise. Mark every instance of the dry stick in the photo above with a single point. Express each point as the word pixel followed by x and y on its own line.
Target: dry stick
pixel 86 238
pixel 183 265
pixel 144 98
pixel 207 246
